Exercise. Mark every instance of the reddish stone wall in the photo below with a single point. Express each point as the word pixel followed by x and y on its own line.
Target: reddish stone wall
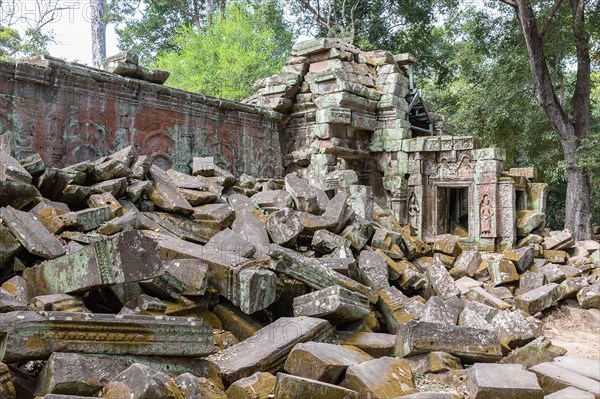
pixel 69 113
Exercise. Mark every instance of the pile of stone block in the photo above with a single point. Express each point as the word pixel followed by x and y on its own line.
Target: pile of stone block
pixel 122 280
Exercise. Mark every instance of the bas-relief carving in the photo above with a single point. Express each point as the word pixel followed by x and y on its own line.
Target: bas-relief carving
pixel 413 211
pixel 460 170
pixel 486 216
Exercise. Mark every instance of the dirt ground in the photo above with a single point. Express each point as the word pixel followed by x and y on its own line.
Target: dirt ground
pixel 575 329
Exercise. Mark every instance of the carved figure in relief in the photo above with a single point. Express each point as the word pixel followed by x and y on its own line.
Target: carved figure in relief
pixel 486 213
pixel 413 210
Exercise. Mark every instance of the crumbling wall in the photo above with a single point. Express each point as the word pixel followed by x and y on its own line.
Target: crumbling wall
pixel 70 113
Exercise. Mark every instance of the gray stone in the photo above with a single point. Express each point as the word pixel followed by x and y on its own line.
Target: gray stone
pixel 335 304
pixel 441 281
pixel 293 387
pixel 436 311
pixel 570 393
pixel 31 233
pixel 140 382
pixel 502 381
pixel 552 377
pixel 375 344
pixel 284 226
pixel 193 387
pixel 373 270
pixel 538 299
pixel 306 197
pixel 469 344
pixel 87 219
pixel 323 361
pixel 386 377
pixel 164 193
pixel 267 349
pixel 589 297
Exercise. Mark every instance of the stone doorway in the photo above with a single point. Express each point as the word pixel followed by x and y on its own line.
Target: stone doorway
pixel 453 209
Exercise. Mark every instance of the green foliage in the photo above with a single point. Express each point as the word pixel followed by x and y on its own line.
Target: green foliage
pixel 231 54
pixel 13 46
pixel 10 41
pixel 486 90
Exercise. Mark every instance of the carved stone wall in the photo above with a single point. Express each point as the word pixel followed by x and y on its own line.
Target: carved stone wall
pixel 69 113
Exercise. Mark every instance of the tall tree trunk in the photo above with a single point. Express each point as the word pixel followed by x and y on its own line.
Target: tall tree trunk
pixel 98 32
pixel 569 130
pixel 210 10
pixel 222 5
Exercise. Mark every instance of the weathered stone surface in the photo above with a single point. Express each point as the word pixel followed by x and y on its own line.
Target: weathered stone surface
pixel 373 270
pixel 9 246
pixel 538 351
pixel 552 377
pixel 326 242
pixel 306 198
pixel 538 299
pixel 293 387
pixel 51 183
pixel 469 344
pixel 334 303
pixel 164 193
pixel 194 387
pixel 12 170
pixel 18 195
pixel 552 273
pixel 140 382
pixel 130 221
pixel 480 295
pixel 240 324
pixel 436 311
pixel 250 228
pixel 515 328
pixel 192 272
pixel 33 335
pixel 313 274
pixel 589 297
pixel 8 303
pixel 31 233
pixel 48 213
pixel 359 231
pixel 284 226
pixel 466 264
pixel 447 245
pixel 383 378
pixel 433 362
pixel 7 389
pixel 582 365
pixel 441 281
pixel 502 381
pixel 322 361
pixel 257 386
pixel 570 393
pixel 529 281
pixel 397 308
pixel 77 374
pixel 521 257
pixel 58 303
pixel 126 257
pixel 527 221
pixel 571 286
pixel 267 349
pixel 87 219
pixel 375 344
pixel 228 241
pixel 502 271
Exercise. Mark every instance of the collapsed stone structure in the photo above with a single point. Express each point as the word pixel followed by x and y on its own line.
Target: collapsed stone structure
pixel 124 277
pixel 350 109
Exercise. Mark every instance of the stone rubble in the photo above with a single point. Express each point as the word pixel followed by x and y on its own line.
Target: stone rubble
pixel 123 280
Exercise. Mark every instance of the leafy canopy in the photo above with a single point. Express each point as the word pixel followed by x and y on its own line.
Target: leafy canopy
pixel 226 58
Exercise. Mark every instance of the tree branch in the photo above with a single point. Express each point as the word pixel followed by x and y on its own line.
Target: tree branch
pixel 309 7
pixel 549 17
pixel 510 3
pixel 189 14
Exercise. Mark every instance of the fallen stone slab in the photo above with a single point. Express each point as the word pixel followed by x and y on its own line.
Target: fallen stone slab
pixel 502 271
pixel 589 297
pixel 164 193
pixel 48 213
pixel 336 304
pixel 441 281
pixel 87 219
pixel 12 170
pixel 306 197
pixel 192 386
pixel 521 257
pixel 123 258
pixel 359 231
pixel 538 299
pixel 466 264
pixel 570 393
pixel 383 378
pixel 323 361
pixel 77 374
pixel 527 221
pixel 58 303
pixel 8 303
pixel 241 325
pixel 268 348
pixel 373 270
pixel 192 272
pixel 9 246
pixel 7 388
pixel 375 344
pixel 480 295
pixel 17 195
pixel 469 344
pixel 293 387
pixel 397 308
pixel 437 311
pixel 31 233
pixel 538 351
pixel 313 274
pixel 502 381
pixel 552 377
pixel 581 365
pixel 284 226
pixel 273 200
pixel 431 395
pixel 140 382
pixel 33 335
pixel 258 386
pixel 433 362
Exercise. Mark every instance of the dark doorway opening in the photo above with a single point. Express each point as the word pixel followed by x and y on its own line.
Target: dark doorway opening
pixel 453 210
